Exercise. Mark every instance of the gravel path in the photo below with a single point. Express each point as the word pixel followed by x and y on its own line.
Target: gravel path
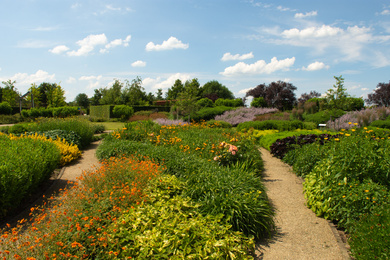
pixel 300 233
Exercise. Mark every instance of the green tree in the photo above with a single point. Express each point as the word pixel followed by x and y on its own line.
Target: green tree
pixel 258 102
pixel 112 95
pixel 82 100
pixel 159 94
pixel 186 103
pixel 123 112
pixel 134 94
pixel 337 96
pixel 10 93
pixel 35 97
pixel 214 90
pixel 192 87
pixel 174 91
pixel 97 96
pixel 57 97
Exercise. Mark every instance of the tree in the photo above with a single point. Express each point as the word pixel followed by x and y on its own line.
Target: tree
pixel 214 90
pixel 45 96
pixel 337 96
pixel 112 95
pixel 305 97
pixel 57 98
pixel 278 94
pixel 159 94
pixel 82 100
pixel 35 97
pixel 9 93
pixel 186 102
pixel 380 96
pixel 174 91
pixel 258 102
pixel 134 94
pixel 97 96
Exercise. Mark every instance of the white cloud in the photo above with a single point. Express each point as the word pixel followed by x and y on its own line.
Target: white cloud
pixel 138 63
pixel 115 43
pixel 228 56
pixel 244 91
pixel 311 32
pixel 364 89
pixel 93 81
pixel 316 66
pixel 304 15
pixel 157 83
pixel 71 80
pixel 88 44
pixel 171 43
pixel 385 12
pixel 259 67
pixel 59 49
pixel 27 79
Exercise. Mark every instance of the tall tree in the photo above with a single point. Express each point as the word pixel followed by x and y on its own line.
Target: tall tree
pixel 57 98
pixel 174 91
pixel 82 100
pixel 112 95
pixel 380 96
pixel 134 93
pixel 159 94
pixel 35 97
pixel 214 90
pixel 46 91
pixel 337 96
pixel 278 94
pixel 305 96
pixel 97 96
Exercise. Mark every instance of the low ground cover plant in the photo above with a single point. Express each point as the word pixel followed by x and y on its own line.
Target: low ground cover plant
pixel 280 125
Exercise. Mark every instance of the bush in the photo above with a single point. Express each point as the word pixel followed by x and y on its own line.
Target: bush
pixel 205 102
pixel 323 116
pixel 65 111
pixel 23 170
pixel 123 112
pixel 209 113
pixel 258 102
pixel 381 124
pixel 229 102
pixel 218 123
pixel 5 108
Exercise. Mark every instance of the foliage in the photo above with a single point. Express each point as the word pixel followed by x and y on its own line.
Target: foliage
pixel 323 116
pixel 229 102
pixel 381 124
pixel 209 113
pixel 205 102
pixel 10 119
pixel 215 90
pixel 5 108
pixel 134 94
pixel 258 102
pixel 370 235
pixel 278 94
pixel 69 136
pixel 380 96
pixel 280 125
pixel 82 100
pixel 65 112
pixel 353 104
pixel 9 93
pixel 188 151
pixel 337 96
pixel 164 121
pixel 243 114
pixel 23 170
pixel 218 123
pixel 80 126
pixel 305 96
pixel 124 112
pixel 280 143
pixel 361 118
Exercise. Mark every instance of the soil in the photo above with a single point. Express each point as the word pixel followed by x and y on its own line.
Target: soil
pixel 300 233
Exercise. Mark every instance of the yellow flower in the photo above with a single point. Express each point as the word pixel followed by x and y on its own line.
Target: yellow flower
pixel 347 135
pixel 355 123
pixel 349 123
pixel 366 190
pixel 353 130
pixel 336 139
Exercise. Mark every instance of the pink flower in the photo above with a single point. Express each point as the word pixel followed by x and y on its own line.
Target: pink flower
pixel 233 149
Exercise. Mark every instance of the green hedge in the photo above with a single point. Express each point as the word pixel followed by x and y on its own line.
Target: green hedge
pixel 101 111
pixel 209 113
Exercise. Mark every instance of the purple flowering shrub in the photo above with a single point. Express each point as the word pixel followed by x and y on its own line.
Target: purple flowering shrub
pixel 243 114
pixel 362 118
pixel 164 121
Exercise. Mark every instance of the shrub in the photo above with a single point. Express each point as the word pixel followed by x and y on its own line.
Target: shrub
pixel 65 112
pixel 323 116
pixel 209 113
pixel 205 102
pixel 280 125
pixel 218 123
pixel 123 112
pixel 18 128
pixel 5 108
pixel 229 102
pixel 243 114
pixel 259 102
pixel 381 124
pixel 23 170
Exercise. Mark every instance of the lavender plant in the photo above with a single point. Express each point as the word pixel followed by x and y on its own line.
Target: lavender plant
pixel 243 114
pixel 164 121
pixel 363 117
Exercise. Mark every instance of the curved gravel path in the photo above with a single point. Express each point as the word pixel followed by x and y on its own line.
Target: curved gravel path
pixel 300 233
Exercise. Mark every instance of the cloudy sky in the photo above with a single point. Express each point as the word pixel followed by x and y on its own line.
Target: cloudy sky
pixel 83 44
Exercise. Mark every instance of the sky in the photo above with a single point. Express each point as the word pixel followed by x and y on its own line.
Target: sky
pixel 84 45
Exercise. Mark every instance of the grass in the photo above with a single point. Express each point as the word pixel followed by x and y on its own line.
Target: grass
pixel 110 125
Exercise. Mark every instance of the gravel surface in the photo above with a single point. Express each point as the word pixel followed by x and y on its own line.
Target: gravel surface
pixel 300 233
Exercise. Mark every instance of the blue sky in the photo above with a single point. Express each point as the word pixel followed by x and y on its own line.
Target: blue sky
pixel 85 44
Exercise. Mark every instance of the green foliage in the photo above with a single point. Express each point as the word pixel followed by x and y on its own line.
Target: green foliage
pixel 353 104
pixel 5 108
pixel 209 113
pixel 24 165
pixel 215 90
pixel 217 123
pixel 70 136
pixel 65 111
pixel 369 238
pixel 123 112
pixel 381 124
pixel 258 102
pixel 205 102
pixel 100 111
pixel 323 116
pixel 337 97
pixel 168 226
pixel 80 126
pixel 229 102
pixel 280 125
